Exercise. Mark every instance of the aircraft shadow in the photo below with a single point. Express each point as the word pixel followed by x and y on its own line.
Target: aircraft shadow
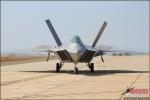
pixel 88 73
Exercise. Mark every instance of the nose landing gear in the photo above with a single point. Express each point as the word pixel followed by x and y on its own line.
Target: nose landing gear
pixel 75 69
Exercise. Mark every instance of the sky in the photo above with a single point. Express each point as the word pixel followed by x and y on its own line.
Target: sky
pixel 23 23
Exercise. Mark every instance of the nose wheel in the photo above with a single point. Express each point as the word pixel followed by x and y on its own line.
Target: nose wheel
pixel 76 70
pixel 91 67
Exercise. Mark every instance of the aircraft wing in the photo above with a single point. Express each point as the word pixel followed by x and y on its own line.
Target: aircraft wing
pixel 118 52
pixel 61 53
pixel 43 50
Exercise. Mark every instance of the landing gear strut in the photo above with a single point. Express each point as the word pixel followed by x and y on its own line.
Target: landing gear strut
pixel 75 69
pixel 91 67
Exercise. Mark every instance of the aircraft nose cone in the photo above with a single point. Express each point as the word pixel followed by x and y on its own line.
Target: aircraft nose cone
pixel 78 50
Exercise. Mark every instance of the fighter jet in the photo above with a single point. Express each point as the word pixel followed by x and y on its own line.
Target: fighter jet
pixel 76 52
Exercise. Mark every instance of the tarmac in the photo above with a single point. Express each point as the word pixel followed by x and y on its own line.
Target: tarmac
pixel 40 81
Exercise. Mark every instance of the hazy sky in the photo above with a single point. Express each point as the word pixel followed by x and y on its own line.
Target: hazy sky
pixel 23 26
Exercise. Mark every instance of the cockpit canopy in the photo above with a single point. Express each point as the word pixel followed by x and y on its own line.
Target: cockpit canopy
pixel 76 39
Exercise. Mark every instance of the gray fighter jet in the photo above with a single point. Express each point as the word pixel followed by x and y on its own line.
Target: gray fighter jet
pixel 76 52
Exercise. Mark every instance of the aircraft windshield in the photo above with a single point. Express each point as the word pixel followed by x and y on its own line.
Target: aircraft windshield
pixel 76 39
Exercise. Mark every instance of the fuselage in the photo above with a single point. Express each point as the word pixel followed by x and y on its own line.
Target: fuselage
pixel 76 49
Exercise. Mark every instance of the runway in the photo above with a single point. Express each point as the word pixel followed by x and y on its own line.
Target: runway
pixel 110 79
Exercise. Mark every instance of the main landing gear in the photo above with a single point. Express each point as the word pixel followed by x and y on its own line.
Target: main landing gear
pixel 91 66
pixel 58 66
pixel 76 71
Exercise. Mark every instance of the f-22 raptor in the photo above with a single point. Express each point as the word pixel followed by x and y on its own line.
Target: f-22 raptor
pixel 77 51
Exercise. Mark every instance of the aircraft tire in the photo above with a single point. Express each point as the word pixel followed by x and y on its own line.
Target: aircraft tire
pixel 76 70
pixel 92 67
pixel 57 67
